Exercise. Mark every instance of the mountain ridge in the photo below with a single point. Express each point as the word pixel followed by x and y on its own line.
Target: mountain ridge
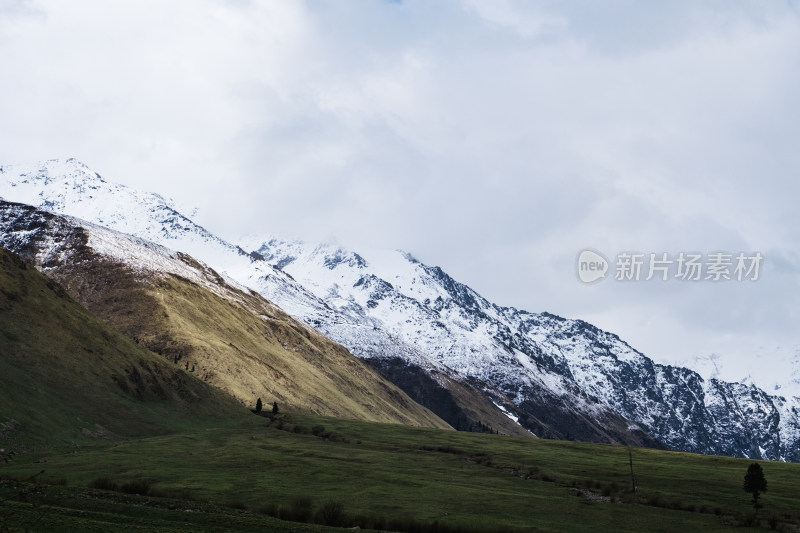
pixel 558 377
pixel 228 335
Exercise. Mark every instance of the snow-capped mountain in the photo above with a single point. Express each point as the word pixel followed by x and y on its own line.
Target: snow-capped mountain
pixel 223 333
pixel 516 351
pixel 70 187
pixel 774 369
pixel 556 377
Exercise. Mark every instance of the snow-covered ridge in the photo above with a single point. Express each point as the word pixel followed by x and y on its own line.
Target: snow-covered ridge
pixel 23 224
pixel 554 375
pixel 69 187
pixel 431 311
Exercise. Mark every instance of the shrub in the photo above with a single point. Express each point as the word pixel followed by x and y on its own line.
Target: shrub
pixel 236 504
pixel 773 522
pixel 300 509
pixel 269 509
pixel 655 500
pixel 748 520
pixel 139 486
pixel 103 483
pixel 331 514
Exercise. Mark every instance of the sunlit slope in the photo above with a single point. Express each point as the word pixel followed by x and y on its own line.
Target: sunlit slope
pixel 65 376
pixel 203 323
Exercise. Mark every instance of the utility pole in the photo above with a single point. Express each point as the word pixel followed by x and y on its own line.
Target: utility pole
pixel 630 461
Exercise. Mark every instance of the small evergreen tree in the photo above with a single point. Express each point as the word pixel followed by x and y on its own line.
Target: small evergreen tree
pixel 258 405
pixel 755 483
pixel 274 408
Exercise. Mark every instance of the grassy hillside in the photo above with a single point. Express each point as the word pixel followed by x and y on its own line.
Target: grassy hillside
pixel 65 376
pixel 228 336
pixel 239 342
pixel 401 478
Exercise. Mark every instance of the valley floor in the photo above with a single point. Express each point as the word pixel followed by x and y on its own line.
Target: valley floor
pixel 267 474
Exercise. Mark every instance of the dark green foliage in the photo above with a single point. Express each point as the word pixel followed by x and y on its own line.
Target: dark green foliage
pixel 274 408
pixel 773 522
pixel 103 483
pixel 748 520
pixel 331 514
pixel 139 486
pixel 755 482
pixel 300 509
pixel 259 406
pixel 236 504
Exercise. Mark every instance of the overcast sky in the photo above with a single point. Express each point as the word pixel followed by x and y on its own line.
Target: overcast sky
pixel 496 139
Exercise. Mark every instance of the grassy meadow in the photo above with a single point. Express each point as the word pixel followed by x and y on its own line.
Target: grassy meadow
pixel 277 475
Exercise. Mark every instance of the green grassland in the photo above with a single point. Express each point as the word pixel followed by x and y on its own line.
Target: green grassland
pixel 98 433
pixel 389 476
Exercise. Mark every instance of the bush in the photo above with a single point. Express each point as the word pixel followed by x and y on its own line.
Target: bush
pixel 300 510
pixel 318 430
pixel 269 509
pixel 103 483
pixel 139 486
pixel 748 520
pixel 655 500
pixel 331 514
pixel 773 522
pixel 236 504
